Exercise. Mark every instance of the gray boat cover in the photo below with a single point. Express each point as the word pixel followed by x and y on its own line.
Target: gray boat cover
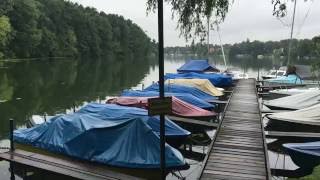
pixel 290 92
pixel 310 116
pixel 295 102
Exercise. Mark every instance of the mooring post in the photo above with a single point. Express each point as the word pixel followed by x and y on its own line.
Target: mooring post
pixel 74 107
pixel 11 136
pixel 12 177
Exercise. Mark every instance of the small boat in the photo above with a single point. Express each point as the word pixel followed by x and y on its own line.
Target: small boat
pixel 293 75
pixel 189 98
pixel 179 107
pixel 202 84
pixel 287 79
pixel 304 155
pixel 183 89
pixel 307 119
pixel 273 73
pixel 119 140
pixel 217 79
pixel 236 74
pixel 295 102
pixel 199 65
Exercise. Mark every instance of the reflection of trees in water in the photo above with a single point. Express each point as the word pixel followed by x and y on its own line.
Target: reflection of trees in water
pixel 53 86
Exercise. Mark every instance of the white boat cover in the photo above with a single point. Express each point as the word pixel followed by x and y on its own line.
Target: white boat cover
pixel 295 102
pixel 290 92
pixel 310 116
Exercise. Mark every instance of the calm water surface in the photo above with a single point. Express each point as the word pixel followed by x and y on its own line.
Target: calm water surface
pixel 50 87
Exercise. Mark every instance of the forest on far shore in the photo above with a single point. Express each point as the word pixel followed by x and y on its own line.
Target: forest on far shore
pixel 300 49
pixel 59 28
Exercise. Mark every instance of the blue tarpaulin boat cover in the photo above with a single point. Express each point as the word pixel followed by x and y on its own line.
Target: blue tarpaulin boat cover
pixel 218 80
pixel 306 155
pixel 173 88
pixel 114 112
pixel 183 96
pixel 290 79
pixel 200 65
pixel 127 141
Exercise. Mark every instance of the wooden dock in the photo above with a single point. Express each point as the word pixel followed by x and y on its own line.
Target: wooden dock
pixel 239 150
pixel 63 166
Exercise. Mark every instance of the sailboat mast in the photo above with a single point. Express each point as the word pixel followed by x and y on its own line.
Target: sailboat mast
pixel 292 25
pixel 223 55
pixel 208 34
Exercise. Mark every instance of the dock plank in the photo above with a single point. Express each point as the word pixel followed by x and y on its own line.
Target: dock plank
pixel 238 150
pixel 65 166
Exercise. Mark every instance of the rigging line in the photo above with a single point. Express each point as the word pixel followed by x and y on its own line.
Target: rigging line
pixel 304 19
pixel 283 23
pixel 290 42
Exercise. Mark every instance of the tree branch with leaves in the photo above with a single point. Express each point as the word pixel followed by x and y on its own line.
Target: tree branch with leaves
pixel 193 14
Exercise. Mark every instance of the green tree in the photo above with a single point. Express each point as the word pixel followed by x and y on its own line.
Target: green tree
pixel 5 30
pixel 24 19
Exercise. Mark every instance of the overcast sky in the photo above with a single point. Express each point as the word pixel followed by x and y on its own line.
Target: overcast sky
pixel 246 19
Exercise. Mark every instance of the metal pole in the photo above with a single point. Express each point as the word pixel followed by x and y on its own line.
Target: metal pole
pixel 161 88
pixel 208 34
pixel 292 25
pixel 11 136
pixel 12 177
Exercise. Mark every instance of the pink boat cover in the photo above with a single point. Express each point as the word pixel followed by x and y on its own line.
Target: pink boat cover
pixel 179 107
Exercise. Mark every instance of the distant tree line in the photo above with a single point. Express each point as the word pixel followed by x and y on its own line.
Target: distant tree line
pixel 304 48
pixel 55 28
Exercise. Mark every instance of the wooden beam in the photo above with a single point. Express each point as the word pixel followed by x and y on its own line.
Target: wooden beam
pixel 64 166
pixel 280 134
pixel 193 121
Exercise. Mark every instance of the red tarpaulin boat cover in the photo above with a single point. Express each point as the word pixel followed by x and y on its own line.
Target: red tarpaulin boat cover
pixel 179 107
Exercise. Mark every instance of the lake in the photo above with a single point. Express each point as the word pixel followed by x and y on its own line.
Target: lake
pixel 39 87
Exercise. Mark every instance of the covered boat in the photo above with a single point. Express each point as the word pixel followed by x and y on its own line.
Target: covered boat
pixel 202 84
pixel 116 112
pixel 189 98
pixel 217 79
pixel 183 89
pixel 288 92
pixel 307 119
pixel 310 115
pixel 127 142
pixel 295 102
pixel 199 65
pixel 179 108
pixel 304 155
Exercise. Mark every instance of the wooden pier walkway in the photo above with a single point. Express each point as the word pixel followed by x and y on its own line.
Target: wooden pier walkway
pixel 239 151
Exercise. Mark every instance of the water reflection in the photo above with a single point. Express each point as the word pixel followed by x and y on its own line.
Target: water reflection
pixel 52 86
